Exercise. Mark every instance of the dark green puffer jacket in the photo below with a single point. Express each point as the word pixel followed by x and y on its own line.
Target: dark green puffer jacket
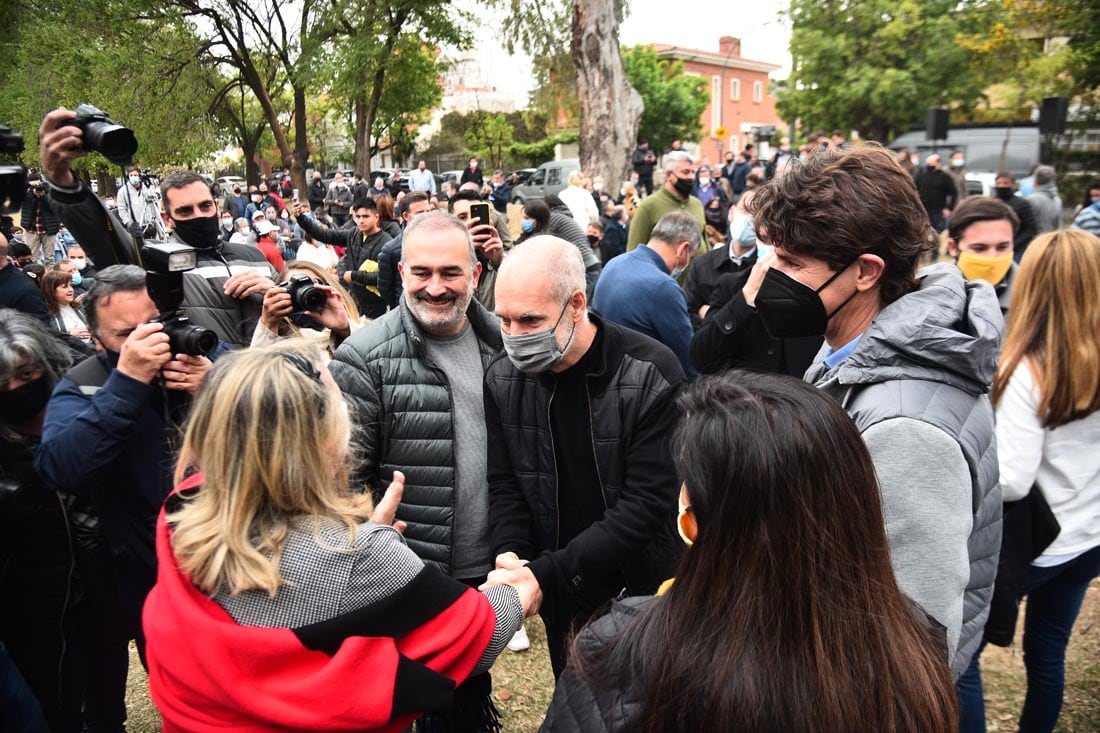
pixel 401 405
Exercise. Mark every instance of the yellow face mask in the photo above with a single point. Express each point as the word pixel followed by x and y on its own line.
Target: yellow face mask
pixel 990 269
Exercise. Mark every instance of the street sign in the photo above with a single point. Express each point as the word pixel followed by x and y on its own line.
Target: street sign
pixel 720 133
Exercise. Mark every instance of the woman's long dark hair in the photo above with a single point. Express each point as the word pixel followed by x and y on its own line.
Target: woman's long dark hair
pixel 540 212
pixel 52 280
pixel 785 614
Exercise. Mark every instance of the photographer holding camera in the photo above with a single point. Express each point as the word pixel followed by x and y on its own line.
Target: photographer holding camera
pixel 309 302
pixel 109 435
pixel 139 203
pixel 224 291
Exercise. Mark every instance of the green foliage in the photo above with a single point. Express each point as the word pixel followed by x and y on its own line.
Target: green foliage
pixel 512 140
pixel 554 94
pixel 674 103
pixel 382 64
pixel 877 65
pixel 489 139
pixel 533 154
pixel 141 73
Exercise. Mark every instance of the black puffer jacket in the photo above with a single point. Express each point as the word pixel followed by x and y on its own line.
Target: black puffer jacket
pixel 402 409
pixel 577 707
pixel 631 389
pixel 36 573
pixel 45 212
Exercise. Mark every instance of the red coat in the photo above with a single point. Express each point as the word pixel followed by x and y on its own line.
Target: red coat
pixel 375 668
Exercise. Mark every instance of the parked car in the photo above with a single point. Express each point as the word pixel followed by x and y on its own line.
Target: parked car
pixel 224 184
pixel 523 175
pixel 395 179
pixel 449 176
pixel 548 179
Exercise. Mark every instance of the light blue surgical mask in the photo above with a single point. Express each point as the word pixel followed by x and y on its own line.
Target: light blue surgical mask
pixel 527 225
pixel 135 180
pixel 678 271
pixel 742 230
pixel 77 278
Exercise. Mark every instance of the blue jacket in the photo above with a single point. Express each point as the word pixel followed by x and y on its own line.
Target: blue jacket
pixel 113 447
pixel 740 173
pixel 637 291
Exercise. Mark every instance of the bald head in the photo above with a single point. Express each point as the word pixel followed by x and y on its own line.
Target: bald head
pixel 540 287
pixel 549 266
pixel 932 161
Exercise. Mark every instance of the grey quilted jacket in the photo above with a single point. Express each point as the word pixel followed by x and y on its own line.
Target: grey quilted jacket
pixel 930 357
pixel 401 404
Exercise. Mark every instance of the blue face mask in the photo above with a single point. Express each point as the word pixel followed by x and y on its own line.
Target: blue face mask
pixel 741 230
pixel 527 225
pixel 77 279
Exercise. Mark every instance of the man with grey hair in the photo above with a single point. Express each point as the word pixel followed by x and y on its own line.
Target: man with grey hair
pixel 674 195
pixel 582 487
pixel 109 436
pixel 1045 201
pixel 639 289
pixel 413 378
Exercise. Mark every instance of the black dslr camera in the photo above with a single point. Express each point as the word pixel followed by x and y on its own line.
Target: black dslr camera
pixel 13 183
pixel 103 135
pixel 304 293
pixel 165 263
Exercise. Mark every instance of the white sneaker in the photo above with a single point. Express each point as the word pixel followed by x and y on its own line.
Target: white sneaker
pixel 519 641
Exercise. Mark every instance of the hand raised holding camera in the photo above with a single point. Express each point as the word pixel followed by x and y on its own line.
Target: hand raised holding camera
pixel 58 145
pixel 145 352
pixel 277 306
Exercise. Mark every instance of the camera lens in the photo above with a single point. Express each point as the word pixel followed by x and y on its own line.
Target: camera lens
pixel 117 143
pixel 311 299
pixel 193 340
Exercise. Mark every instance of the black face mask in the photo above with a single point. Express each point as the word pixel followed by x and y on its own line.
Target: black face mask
pixel 19 405
pixel 592 239
pixel 683 186
pixel 713 217
pixel 1004 193
pixel 200 232
pixel 790 309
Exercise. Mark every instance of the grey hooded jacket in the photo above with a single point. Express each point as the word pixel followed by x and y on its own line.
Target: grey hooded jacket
pixel 916 387
pixel 1047 205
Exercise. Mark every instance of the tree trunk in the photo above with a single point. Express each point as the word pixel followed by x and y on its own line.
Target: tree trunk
pixel 610 108
pixel 250 144
pixel 301 143
pixel 360 162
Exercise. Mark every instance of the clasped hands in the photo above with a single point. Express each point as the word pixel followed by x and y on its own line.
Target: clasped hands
pixel 510 570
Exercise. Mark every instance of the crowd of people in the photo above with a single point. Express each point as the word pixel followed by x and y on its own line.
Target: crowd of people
pixel 754 462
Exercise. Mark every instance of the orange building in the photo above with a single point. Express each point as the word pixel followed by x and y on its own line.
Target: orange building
pixel 740 99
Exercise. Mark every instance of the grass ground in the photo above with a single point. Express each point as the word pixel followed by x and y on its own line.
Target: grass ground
pixel 523 684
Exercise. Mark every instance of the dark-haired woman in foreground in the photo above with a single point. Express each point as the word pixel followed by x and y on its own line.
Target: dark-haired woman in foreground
pixel 784 614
